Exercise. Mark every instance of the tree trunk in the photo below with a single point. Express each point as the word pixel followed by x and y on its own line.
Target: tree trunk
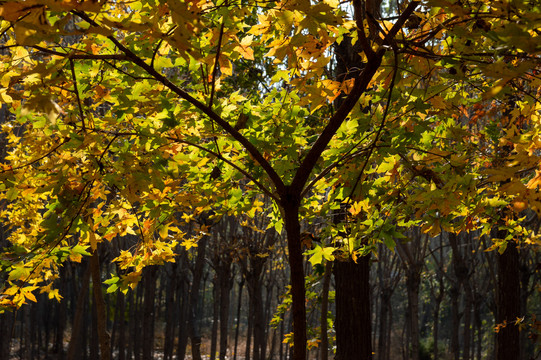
pixel 290 207
pixel 8 321
pixel 75 340
pixel 412 284
pixel 455 322
pixel 353 323
pixel 194 306
pixel 508 337
pixel 324 311
pixel 149 283
pixel 435 333
pixel 121 324
pixel 384 325
pixel 225 284
pixel 239 305
pixel 215 317
pixel 170 311
pixel 101 311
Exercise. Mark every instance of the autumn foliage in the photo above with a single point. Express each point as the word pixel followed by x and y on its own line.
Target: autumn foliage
pixel 154 118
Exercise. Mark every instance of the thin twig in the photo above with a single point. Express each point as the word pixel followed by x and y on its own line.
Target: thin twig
pixel 81 113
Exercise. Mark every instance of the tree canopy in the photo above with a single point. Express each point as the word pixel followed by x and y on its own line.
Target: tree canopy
pixel 154 118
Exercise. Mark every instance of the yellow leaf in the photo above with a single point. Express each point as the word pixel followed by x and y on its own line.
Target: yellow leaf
pixel 5 98
pixel 30 296
pixel 164 231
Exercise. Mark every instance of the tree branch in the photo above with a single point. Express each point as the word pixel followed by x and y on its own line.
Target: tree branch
pixel 272 174
pixel 360 86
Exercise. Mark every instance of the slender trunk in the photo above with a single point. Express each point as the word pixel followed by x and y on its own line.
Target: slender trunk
pixel 27 352
pixel 61 318
pixel 455 322
pixel 170 310
pixel 259 326
pixel 290 207
pixel 184 310
pixel 225 290
pixel 101 312
pixel 194 307
pixel 266 320
pixel 437 306
pixel 467 323
pixel 412 284
pixel 508 337
pixel 384 323
pixel 353 323
pixel 249 328
pixel 94 343
pixel 7 319
pixel 149 282
pixel 121 323
pixel 76 328
pixel 215 317
pixel 324 311
pixel 282 331
pixel 239 305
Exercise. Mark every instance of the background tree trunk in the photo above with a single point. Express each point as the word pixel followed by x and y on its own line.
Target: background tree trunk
pixel 101 311
pixel 508 337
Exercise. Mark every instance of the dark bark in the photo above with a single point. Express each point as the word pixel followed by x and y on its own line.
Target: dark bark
pixel 384 345
pixel 170 311
pixel 353 323
pixel 324 352
pixel 413 280
pixel 237 327
pixel 194 306
pixel 455 323
pixel 60 327
pixel 508 303
pixel 184 306
pixel 290 210
pixel 74 347
pixel 226 282
pixel 215 317
pixel 149 283
pixel 7 319
pixel 101 311
pixel 121 325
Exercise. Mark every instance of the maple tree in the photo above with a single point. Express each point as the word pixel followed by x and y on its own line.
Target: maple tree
pixel 145 117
